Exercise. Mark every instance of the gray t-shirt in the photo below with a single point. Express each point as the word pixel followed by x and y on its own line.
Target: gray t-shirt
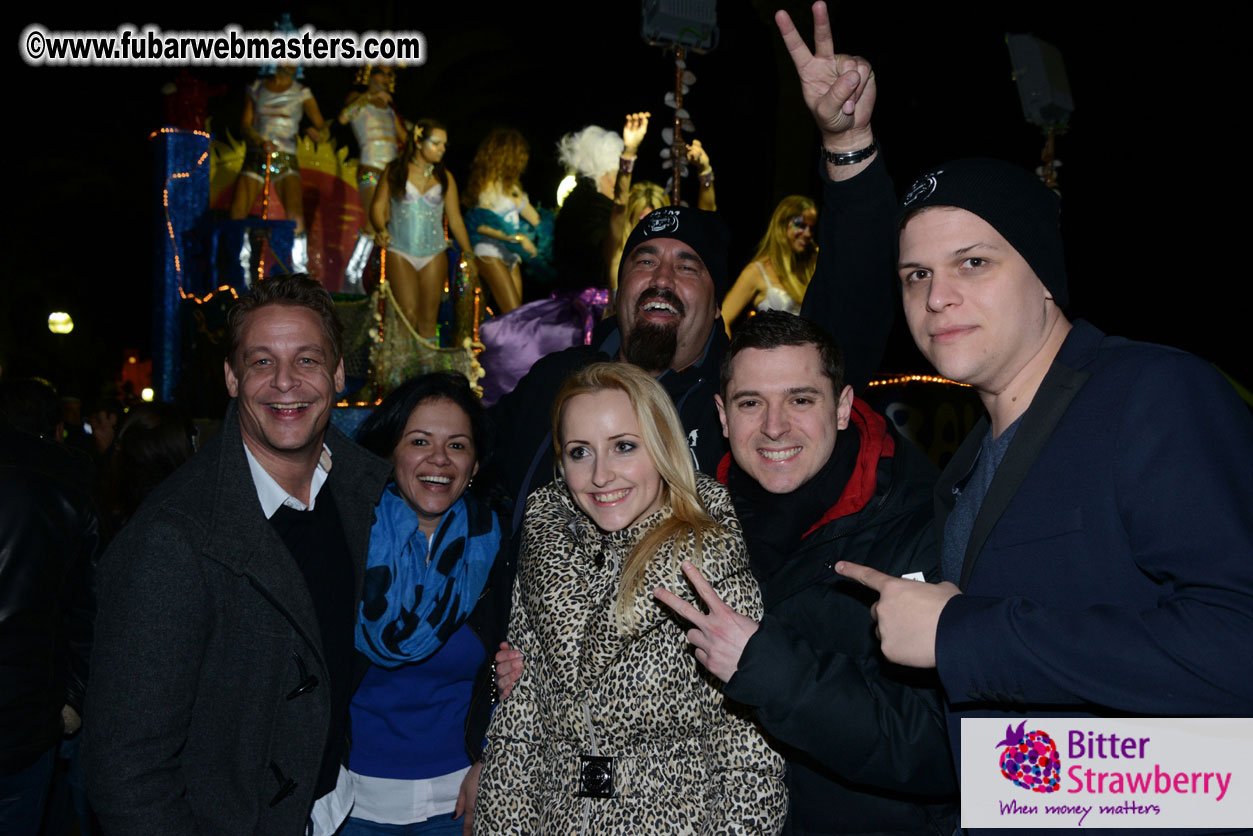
pixel 970 492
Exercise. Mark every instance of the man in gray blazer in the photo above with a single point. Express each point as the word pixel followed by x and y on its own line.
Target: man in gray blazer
pixel 223 656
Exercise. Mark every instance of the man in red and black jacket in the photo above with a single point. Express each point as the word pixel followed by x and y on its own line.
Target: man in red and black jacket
pixel 817 476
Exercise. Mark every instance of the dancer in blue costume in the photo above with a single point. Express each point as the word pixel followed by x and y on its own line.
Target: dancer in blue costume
pixel 413 198
pixel 499 210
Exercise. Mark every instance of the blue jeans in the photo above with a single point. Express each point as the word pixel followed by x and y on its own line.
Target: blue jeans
pixel 441 825
pixel 22 796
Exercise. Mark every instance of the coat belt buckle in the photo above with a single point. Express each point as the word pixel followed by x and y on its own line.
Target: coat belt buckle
pixel 595 777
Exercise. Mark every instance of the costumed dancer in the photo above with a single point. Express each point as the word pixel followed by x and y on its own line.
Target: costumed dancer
pixel 271 127
pixel 780 271
pixel 380 134
pixel 500 207
pixel 413 197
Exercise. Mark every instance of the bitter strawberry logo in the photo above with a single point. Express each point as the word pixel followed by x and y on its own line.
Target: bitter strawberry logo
pixel 1030 759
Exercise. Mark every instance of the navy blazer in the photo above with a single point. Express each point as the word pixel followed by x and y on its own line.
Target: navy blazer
pixel 1110 568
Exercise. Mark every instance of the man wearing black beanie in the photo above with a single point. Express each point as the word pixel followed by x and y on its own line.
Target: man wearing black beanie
pixel 1097 544
pixel 671 280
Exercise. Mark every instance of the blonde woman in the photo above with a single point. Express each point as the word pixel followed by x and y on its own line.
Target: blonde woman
pixel 613 728
pixel 780 271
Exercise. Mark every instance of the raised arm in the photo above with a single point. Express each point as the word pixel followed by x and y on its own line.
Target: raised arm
pixel 697 155
pixel 839 91
pixel 633 132
pixel 352 106
pixel 852 292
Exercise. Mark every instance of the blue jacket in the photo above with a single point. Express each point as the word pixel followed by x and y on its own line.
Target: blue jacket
pixel 1110 568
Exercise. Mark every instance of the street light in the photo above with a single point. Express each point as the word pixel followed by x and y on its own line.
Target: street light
pixel 59 322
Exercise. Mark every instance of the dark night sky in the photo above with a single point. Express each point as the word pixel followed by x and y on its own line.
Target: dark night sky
pixel 1152 241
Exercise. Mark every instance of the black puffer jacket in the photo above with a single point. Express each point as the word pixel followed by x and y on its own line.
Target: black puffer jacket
pixel 49 539
pixel 864 739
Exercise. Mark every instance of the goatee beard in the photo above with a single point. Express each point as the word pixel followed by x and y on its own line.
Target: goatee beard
pixel 652 347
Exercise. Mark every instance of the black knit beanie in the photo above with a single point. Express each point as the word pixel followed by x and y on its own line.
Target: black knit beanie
pixel 703 231
pixel 1012 200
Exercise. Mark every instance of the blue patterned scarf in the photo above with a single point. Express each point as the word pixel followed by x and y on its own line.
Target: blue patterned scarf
pixel 416 596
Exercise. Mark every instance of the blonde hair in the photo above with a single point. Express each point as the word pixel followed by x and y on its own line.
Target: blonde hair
pixel 793 270
pixel 644 195
pixel 666 444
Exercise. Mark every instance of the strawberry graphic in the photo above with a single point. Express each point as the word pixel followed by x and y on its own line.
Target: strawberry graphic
pixel 1030 759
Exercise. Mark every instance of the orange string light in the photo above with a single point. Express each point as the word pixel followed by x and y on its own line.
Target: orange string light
pixel 165 205
pixel 915 378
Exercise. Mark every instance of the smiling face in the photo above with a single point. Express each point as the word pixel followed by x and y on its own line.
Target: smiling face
pixel 609 471
pixel 975 308
pixel 434 459
pixel 433 145
pixel 782 415
pixel 800 230
pixel 665 287
pixel 284 377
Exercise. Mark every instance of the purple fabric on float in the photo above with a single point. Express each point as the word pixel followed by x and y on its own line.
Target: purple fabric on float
pixel 513 342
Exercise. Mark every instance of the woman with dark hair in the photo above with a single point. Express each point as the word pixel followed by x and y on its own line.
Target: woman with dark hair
pixel 501 214
pixel 784 263
pixel 613 728
pixel 414 196
pixel 434 606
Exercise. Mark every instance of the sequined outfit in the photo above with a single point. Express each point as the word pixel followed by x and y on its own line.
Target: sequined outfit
pixel 276 117
pixel 416 225
pixel 375 130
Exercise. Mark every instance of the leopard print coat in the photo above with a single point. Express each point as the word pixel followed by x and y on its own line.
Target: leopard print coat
pixel 686 761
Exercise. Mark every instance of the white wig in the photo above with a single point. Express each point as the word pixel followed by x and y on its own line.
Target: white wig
pixel 590 152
